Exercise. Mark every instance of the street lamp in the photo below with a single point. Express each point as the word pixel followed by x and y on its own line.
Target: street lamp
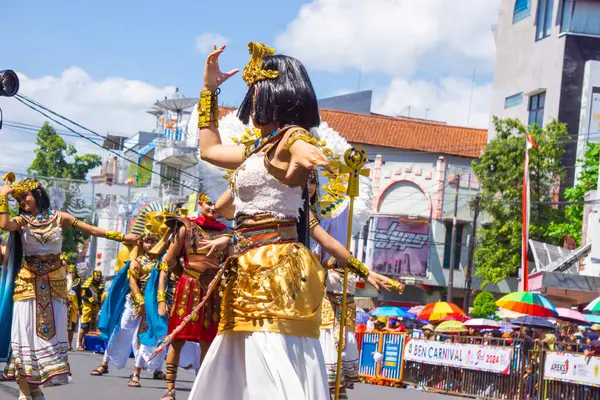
pixel 9 83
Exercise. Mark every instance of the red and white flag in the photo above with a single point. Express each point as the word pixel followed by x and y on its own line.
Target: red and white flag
pixel 526 206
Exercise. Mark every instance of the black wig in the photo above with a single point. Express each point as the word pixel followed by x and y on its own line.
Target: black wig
pixel 42 201
pixel 288 99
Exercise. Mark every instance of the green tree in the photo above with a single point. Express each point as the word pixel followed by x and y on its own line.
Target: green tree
pixel 484 305
pixel 52 157
pixel 588 180
pixel 500 171
pixel 143 174
pixel 55 159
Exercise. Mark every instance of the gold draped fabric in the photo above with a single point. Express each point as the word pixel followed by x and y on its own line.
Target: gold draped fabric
pixel 273 288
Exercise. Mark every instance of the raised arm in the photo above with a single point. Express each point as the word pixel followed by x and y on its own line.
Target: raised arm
pixel 70 221
pixel 211 148
pixel 5 223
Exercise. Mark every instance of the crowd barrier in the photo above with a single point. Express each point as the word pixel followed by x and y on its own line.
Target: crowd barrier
pixel 504 369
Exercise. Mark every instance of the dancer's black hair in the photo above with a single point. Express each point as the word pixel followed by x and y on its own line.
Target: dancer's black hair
pixel 42 201
pixel 303 221
pixel 288 99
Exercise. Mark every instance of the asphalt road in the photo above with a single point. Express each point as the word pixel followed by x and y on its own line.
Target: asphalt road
pixel 114 385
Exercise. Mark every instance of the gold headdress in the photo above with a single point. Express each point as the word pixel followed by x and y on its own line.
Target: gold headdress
pixel 254 72
pixel 72 268
pixel 203 197
pixel 23 187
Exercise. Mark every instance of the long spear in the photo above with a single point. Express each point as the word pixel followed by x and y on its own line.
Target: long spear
pixel 355 158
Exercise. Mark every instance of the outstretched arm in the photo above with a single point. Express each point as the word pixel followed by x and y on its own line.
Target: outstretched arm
pixel 70 221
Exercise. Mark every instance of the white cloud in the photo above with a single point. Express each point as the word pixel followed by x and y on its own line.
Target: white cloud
pixel 114 105
pixel 394 37
pixel 448 100
pixel 205 41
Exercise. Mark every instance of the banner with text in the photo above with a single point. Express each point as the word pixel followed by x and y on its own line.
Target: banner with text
pixel 574 368
pixel 469 356
pixel 401 249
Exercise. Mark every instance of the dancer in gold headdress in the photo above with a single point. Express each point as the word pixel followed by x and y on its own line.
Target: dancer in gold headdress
pixel 74 302
pixel 33 289
pixel 91 295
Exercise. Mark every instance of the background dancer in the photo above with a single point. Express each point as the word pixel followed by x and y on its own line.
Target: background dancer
pixel 33 293
pixel 74 302
pixel 200 268
pixel 91 301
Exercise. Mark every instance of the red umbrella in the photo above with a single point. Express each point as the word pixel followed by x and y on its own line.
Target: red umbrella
pixel 459 318
pixel 439 310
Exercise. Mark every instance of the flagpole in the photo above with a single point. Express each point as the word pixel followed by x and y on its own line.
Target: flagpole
pixel 526 209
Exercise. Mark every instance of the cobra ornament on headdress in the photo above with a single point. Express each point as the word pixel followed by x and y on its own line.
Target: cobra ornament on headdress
pixel 203 198
pixel 22 187
pixel 254 72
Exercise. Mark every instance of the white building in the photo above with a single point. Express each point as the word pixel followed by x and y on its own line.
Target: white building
pixel 547 54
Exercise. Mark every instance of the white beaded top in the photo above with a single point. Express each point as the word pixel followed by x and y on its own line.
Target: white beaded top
pixel 255 191
pixel 334 282
pixel 44 239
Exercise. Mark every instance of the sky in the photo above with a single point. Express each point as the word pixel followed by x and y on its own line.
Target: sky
pixel 103 64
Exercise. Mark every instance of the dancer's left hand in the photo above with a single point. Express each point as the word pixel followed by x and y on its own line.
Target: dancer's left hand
pixel 379 281
pixel 305 155
pixel 216 246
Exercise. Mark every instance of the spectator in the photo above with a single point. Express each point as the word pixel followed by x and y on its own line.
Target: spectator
pixel 371 323
pixel 399 326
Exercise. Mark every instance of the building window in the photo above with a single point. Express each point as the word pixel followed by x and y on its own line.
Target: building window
pixel 579 16
pixel 448 246
pixel 544 19
pixel 521 10
pixel 513 100
pixel 536 109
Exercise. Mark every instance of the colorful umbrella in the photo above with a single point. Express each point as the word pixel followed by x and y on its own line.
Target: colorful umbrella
pixel 566 314
pixel 416 309
pixel 594 319
pixel 482 323
pixel 533 322
pixel 594 306
pixel 439 310
pixel 533 304
pixel 450 327
pixel 361 316
pixel 390 312
pixel 505 327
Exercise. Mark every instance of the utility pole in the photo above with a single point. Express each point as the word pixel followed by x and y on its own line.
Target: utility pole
pixel 472 243
pixel 453 243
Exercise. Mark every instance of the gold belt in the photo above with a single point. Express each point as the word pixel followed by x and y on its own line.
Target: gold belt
pixel 42 265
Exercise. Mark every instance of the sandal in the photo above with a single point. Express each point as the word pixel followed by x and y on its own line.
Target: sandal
pixel 159 376
pixel 169 395
pixel 132 383
pixel 23 397
pixel 80 348
pixel 101 370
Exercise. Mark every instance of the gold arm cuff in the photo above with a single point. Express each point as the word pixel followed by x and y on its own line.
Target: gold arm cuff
pixel 301 135
pixel 75 223
pixel 161 296
pixel 3 204
pixel 208 109
pixel 116 236
pixel 163 266
pixel 139 299
pixel 313 222
pixel 397 286
pixel 357 267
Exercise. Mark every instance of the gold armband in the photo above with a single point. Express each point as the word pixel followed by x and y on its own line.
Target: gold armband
pixel 208 109
pixel 139 299
pixel 116 236
pixel 163 266
pixel 161 297
pixel 302 135
pixel 3 204
pixel 75 223
pixel 313 222
pixel 133 273
pixel 357 267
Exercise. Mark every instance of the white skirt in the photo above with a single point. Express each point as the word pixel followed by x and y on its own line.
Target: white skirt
pixel 349 374
pixel 262 365
pixel 33 358
pixel 125 337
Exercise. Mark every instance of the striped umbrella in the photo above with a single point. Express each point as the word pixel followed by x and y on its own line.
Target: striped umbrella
pixel 450 327
pixel 439 310
pixel 594 319
pixel 528 303
pixel 594 306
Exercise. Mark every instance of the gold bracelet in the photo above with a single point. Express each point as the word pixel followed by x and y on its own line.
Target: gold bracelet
pixel 139 299
pixel 161 296
pixel 208 109
pixel 163 266
pixel 396 285
pixel 304 136
pixel 357 267
pixel 313 222
pixel 3 204
pixel 112 235
pixel 75 223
